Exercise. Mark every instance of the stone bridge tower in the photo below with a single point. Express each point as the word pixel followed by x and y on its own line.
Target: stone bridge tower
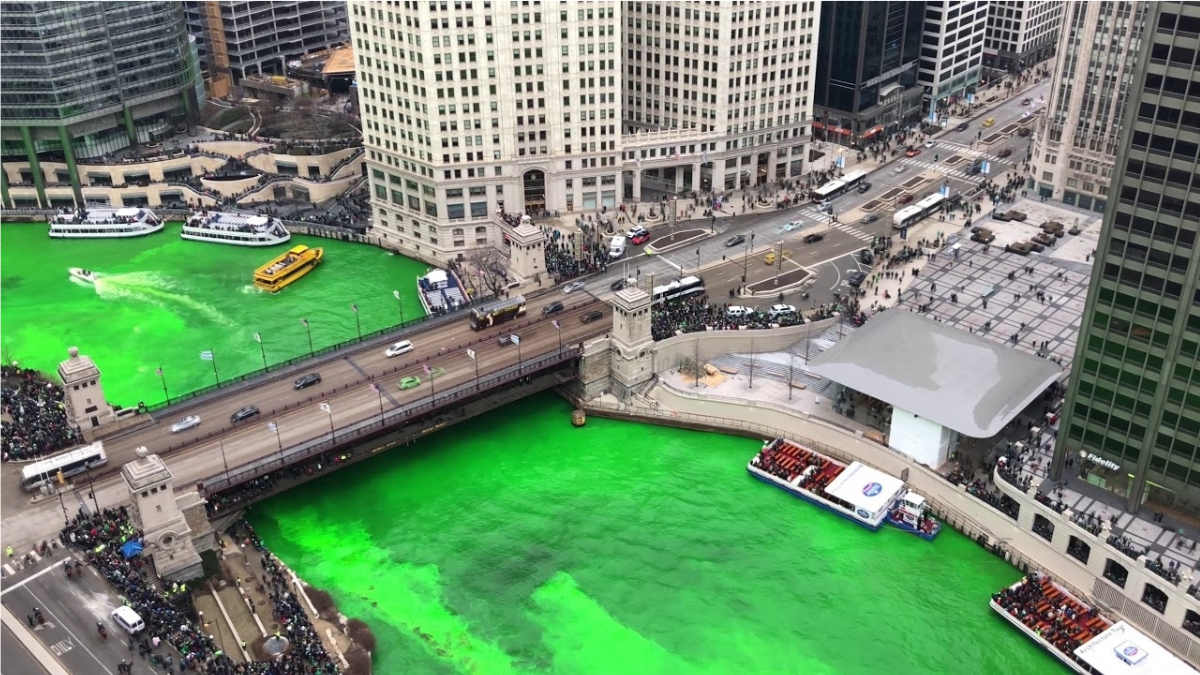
pixel 527 254
pixel 632 358
pixel 168 537
pixel 86 408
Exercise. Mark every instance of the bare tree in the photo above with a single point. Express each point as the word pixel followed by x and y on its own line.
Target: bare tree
pixel 491 268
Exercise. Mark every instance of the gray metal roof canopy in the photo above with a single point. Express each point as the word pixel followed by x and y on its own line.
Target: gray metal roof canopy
pixel 957 379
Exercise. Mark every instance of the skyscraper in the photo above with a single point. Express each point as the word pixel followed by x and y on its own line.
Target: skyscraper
pixel 84 79
pixel 952 48
pixel 867 62
pixel 473 107
pixel 1077 144
pixel 1021 33
pixel 1133 403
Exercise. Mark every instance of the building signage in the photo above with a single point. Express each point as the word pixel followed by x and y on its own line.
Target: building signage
pixel 889 74
pixel 1108 464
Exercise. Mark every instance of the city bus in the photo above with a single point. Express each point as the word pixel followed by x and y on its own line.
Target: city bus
pixel 838 187
pixel 70 463
pixel 911 215
pixel 497 312
pixel 680 288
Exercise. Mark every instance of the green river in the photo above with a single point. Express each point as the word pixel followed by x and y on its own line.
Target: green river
pixel 517 543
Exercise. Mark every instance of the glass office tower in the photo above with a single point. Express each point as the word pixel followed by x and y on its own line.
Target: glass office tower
pixel 86 79
pixel 1132 413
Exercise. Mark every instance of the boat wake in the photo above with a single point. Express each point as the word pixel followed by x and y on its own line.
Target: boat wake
pixel 152 287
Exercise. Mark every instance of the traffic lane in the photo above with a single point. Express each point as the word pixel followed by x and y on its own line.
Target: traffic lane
pixel 361 403
pixel 72 609
pixel 280 392
pixel 17 659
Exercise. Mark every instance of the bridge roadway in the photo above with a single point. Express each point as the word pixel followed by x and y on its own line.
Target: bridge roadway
pixel 205 451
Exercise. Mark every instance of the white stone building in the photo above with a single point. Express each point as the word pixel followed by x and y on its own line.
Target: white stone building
pixel 473 107
pixel 1021 33
pixel 1077 141
pixel 952 48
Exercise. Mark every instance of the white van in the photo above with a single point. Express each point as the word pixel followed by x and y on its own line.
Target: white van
pixel 736 312
pixel 401 347
pixel 128 619
pixel 616 248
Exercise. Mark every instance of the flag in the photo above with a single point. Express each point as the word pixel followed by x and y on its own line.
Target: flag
pixel 326 409
pixel 396 294
pixel 354 307
pixel 556 324
pixel 158 371
pixel 704 157
pixel 426 369
pixel 206 356
pixel 471 353
pixel 516 339
pixel 305 322
pixel 257 338
pixel 374 387
pixel 273 427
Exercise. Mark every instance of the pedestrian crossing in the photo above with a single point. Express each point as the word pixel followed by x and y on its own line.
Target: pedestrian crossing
pixel 16 562
pixel 942 168
pixel 956 148
pixel 853 232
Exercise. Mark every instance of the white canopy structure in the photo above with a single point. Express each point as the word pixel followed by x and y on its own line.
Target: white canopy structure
pixel 1123 650
pixel 870 492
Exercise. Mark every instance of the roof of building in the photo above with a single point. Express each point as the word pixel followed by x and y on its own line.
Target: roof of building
pixel 952 377
pixel 341 61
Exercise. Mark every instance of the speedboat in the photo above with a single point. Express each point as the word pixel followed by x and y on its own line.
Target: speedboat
pixel 86 276
pixel 186 423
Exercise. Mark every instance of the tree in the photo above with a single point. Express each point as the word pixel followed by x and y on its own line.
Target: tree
pixel 491 268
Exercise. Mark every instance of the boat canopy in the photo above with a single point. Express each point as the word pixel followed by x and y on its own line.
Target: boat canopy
pixel 256 220
pixel 129 213
pixel 437 277
pixel 866 489
pixel 1124 649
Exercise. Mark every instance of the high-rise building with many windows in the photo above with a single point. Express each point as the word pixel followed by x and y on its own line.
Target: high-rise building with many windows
pixel 470 107
pixel 85 79
pixel 1077 141
pixel 1021 33
pixel 1133 404
pixel 952 49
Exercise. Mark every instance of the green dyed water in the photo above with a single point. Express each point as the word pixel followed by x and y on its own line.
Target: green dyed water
pixel 160 301
pixel 519 544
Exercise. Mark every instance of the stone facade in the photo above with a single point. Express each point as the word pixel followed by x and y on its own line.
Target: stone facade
pixel 632 342
pixel 86 407
pixel 527 254
pixel 168 537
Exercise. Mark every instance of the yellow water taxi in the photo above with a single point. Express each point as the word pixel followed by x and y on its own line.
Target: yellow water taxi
pixel 285 269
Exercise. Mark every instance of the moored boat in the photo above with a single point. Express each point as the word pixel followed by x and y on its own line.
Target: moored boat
pixel 98 222
pixel 1051 616
pixel 440 292
pixel 855 492
pixel 237 229
pixel 287 268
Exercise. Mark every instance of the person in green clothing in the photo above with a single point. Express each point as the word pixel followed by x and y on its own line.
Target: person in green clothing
pixel 9 551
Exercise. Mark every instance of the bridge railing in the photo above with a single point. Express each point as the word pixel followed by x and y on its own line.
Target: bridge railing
pixel 350 432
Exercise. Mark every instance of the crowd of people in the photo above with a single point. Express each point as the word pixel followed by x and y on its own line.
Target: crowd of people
pixel 220 502
pixel 1056 617
pixel 697 314
pixel 1126 546
pixel 170 621
pixel 35 418
pixel 1170 570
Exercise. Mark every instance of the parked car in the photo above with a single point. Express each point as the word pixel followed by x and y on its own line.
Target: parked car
pixel 307 381
pixel 591 316
pixel 735 240
pixel 186 423
pixel 639 239
pixel 813 238
pixel 552 308
pixel 782 311
pixel 129 620
pixel 243 414
pixel 868 219
pixel 737 311
pixel 410 382
pixel 856 278
pixel 401 347
pixel 912 152
pixel 572 287
pixel 863 187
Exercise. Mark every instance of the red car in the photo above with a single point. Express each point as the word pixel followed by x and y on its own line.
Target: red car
pixel 904 198
pixel 912 152
pixel 641 238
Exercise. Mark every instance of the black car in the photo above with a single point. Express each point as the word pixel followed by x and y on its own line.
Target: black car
pixel 868 219
pixel 962 127
pixel 856 278
pixel 735 240
pixel 863 187
pixel 617 285
pixel 243 414
pixel 813 238
pixel 553 307
pixel 307 381
pixel 866 257
pixel 592 316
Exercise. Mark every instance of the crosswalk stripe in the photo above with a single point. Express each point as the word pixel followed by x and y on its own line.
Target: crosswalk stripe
pixel 35 556
pixel 9 571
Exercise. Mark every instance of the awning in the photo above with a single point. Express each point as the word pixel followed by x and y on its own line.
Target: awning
pixel 873 130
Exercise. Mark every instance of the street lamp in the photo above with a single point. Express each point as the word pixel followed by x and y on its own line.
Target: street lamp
pixel 329 411
pixel 400 304
pixel 471 354
pixel 261 348
pixel 357 322
pixel 279 440
pixel 166 393
pixel 311 351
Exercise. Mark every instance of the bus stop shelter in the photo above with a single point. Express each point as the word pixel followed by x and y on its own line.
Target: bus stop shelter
pixel 940 381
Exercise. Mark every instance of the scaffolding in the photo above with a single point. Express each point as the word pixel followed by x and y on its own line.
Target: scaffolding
pixel 219 81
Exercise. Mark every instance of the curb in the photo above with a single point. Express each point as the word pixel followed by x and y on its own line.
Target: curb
pixel 36 649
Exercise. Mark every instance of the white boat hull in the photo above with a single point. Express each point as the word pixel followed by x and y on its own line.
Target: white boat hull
pixel 205 235
pixel 141 231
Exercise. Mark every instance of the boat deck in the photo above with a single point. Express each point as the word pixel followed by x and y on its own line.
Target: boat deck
pixel 100 216
pixel 440 292
pixel 1053 614
pixel 796 459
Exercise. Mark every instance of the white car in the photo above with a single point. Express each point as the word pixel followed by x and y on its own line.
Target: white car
pixel 572 287
pixel 737 312
pixel 899 169
pixel 929 143
pixel 794 225
pixel 401 347
pixel 185 424
pixel 635 231
pixel 780 311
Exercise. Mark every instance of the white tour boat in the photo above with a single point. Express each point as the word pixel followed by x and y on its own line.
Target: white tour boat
pixel 238 229
pixel 101 222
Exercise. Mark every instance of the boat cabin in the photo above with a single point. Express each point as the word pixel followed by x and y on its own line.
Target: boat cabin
pixel 870 492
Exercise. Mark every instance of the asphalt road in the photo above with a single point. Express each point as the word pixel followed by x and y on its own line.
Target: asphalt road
pixel 344 387
pixel 72 609
pixel 17 660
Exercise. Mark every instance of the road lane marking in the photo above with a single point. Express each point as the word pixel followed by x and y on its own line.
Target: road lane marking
pixel 63 625
pixel 28 579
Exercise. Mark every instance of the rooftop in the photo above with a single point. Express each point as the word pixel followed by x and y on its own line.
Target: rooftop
pixel 957 379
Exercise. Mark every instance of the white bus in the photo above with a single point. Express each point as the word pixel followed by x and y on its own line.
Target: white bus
pixel 853 178
pixel 910 215
pixel 680 288
pixel 840 186
pixel 71 463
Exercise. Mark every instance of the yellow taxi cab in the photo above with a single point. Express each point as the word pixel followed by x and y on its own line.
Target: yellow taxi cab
pixel 771 257
pixel 988 122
